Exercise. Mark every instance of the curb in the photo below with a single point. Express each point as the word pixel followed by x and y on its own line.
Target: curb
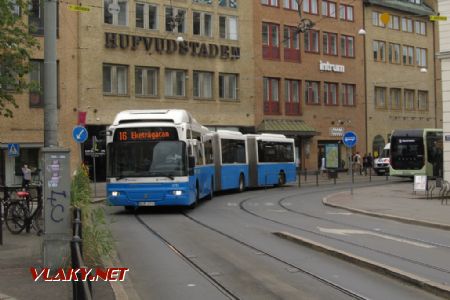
pixel 97 200
pixel 326 202
pixel 428 285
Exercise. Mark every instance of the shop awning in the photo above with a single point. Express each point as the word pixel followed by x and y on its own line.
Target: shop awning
pixel 288 127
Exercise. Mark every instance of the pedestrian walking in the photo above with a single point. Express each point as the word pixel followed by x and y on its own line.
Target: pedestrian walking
pixel 322 165
pixel 26 173
pixel 365 163
pixel 358 163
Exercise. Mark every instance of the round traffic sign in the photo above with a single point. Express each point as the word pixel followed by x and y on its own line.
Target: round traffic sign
pixel 79 134
pixel 349 139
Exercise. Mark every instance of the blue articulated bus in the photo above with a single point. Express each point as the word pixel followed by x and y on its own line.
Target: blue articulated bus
pixel 272 160
pixel 156 158
pixel 230 160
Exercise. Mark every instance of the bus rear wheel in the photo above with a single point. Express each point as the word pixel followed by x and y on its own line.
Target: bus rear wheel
pixel 241 187
pixel 281 179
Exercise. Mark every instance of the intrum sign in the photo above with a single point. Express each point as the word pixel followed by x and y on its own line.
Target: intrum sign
pixel 349 139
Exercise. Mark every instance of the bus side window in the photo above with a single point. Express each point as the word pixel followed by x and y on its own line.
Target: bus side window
pixel 198 155
pixel 209 158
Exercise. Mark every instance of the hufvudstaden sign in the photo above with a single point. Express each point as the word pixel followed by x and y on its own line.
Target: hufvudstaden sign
pixel 169 46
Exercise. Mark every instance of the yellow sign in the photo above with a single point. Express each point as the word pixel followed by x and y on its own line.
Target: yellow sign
pixel 438 18
pixel 384 17
pixel 79 8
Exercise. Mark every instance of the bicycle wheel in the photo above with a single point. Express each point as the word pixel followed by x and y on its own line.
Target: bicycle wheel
pixel 38 221
pixel 15 214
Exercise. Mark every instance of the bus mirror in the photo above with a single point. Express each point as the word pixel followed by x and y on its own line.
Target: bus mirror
pixel 191 162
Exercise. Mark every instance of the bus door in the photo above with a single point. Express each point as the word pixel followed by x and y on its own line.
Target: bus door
pixel 252 161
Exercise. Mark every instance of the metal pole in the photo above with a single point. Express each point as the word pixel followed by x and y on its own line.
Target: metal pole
pixel 299 178
pixel 306 174
pixel 370 174
pixel 50 76
pixel 317 178
pixel 94 154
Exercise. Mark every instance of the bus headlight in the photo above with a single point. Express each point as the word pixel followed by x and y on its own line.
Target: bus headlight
pixel 115 193
pixel 177 193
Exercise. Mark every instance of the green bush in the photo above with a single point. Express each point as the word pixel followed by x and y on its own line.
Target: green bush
pixel 97 239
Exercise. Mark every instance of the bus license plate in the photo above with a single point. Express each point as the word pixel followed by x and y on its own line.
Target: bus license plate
pixel 147 203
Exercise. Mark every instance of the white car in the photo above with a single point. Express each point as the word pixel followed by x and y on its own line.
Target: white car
pixel 381 164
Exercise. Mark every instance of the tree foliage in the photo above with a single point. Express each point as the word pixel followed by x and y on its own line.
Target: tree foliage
pixel 16 46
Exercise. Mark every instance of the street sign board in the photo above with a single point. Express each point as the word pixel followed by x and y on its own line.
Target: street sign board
pixel 349 139
pixel 79 8
pixel 79 134
pixel 438 18
pixel 13 150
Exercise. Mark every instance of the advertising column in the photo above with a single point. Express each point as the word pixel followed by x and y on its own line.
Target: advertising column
pixel 57 221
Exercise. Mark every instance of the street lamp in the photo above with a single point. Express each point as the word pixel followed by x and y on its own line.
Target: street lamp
pixel 423 70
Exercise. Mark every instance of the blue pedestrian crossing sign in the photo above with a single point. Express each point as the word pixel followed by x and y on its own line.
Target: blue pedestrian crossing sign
pixel 349 139
pixel 13 150
pixel 79 134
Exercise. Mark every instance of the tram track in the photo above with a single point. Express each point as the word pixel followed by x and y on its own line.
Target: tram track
pixel 226 292
pixel 412 261
pixel 221 287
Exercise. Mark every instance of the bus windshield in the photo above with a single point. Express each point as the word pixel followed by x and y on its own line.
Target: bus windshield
pixel 407 153
pixel 147 159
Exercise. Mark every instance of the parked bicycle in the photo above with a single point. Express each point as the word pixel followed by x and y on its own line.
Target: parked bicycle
pixel 24 211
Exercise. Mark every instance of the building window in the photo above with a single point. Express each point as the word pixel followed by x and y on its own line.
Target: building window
pixel 347 46
pixel 380 97
pixel 310 6
pixel 146 16
pixel 271 41
pixel 291 44
pixel 292 97
pixel 271 95
pixel 36 16
pixel 348 94
pixel 175 19
pixel 421 57
pixel 146 81
pixel 420 27
pixel 408 55
pixel 270 2
pixel 311 39
pixel 394 22
pixel 423 100
pixel 376 19
pixel 37 78
pixel 228 3
pixel 203 82
pixel 228 86
pixel 228 27
pixel 395 98
pixel 329 9
pixel 312 92
pixel 202 24
pixel 409 99
pixel 346 12
pixel 116 12
pixel 290 4
pixel 394 53
pixel 330 93
pixel 329 43
pixel 115 80
pixel 379 51
pixel 175 83
pixel 407 25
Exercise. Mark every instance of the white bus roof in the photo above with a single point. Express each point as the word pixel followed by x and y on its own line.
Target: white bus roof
pixel 271 137
pixel 230 134
pixel 176 116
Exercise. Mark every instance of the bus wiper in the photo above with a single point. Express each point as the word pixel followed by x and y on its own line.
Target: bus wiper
pixel 161 174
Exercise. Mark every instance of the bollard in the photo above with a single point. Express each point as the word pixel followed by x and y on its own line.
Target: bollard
pixel 334 178
pixel 317 178
pixel 387 176
pixel 265 181
pixel 370 174
pixel 306 174
pixel 299 178
pixel 353 176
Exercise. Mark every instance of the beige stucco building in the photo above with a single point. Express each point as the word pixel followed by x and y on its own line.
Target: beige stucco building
pixel 402 72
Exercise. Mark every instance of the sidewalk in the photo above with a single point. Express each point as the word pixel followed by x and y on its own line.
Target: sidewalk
pixel 20 252
pixel 395 201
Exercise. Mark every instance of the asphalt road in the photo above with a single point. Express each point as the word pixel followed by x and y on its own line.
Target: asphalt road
pixel 226 249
